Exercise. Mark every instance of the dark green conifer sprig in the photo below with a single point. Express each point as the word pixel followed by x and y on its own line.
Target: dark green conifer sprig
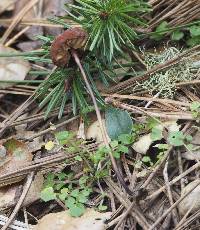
pixel 109 23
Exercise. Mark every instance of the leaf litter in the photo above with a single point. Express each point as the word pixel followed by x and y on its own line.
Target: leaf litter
pixel 158 159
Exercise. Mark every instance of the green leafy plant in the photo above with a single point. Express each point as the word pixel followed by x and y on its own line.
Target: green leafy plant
pixel 117 122
pixel 108 22
pixel 74 191
pixel 195 108
pixel 188 33
pixel 177 138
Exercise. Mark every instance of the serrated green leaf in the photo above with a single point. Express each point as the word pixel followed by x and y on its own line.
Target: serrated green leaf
pixel 62 137
pixel 86 192
pixel 102 207
pixel 122 148
pixel 162 146
pixel 114 144
pixel 83 180
pixel 78 158
pixel 75 193
pixel 193 41
pixel 146 159
pixel 82 199
pixel 64 193
pixel 160 31
pixel 195 106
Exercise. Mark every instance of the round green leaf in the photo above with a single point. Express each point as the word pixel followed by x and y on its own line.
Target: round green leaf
pixel 117 122
pixel 48 194
pixel 195 30
pixel 177 35
pixel 77 210
pixel 176 138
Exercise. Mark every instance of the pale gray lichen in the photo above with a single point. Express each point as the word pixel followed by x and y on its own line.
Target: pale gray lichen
pixel 164 82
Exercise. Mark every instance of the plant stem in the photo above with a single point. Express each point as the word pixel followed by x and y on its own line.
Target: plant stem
pixel 102 127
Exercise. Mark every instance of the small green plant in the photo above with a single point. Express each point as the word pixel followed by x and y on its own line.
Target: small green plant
pixel 74 191
pixel 189 33
pixel 109 23
pixel 178 138
pixel 195 108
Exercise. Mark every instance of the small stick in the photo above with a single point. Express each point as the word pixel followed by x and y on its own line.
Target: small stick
pixel 180 166
pixel 172 207
pixel 21 200
pixel 176 179
pixel 169 193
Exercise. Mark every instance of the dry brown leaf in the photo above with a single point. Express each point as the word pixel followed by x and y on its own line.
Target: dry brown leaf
pixel 17 154
pixel 63 221
pixel 54 8
pixel 192 200
pixel 143 144
pixel 33 13
pixel 46 10
pixel 12 68
pixel 6 5
pixel 94 132
pixel 9 195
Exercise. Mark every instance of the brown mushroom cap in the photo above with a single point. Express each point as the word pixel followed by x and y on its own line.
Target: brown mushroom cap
pixel 74 38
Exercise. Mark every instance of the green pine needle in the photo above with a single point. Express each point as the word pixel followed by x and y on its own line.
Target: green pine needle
pixel 108 22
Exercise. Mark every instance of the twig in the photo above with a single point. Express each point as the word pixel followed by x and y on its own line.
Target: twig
pixel 51 129
pixel 172 207
pixel 125 214
pixel 150 99
pixel 176 179
pixel 26 218
pixel 135 212
pixel 169 193
pixel 180 166
pixel 17 19
pixel 20 201
pixel 15 114
pixel 129 83
pixel 16 225
pixel 155 170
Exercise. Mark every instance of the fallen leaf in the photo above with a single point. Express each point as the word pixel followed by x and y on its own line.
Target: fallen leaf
pixel 35 190
pixel 54 8
pixel 144 142
pixel 6 5
pixel 10 194
pixel 17 154
pixel 94 132
pixel 192 200
pixel 7 196
pixel 32 14
pixel 12 68
pixel 49 145
pixel 91 219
